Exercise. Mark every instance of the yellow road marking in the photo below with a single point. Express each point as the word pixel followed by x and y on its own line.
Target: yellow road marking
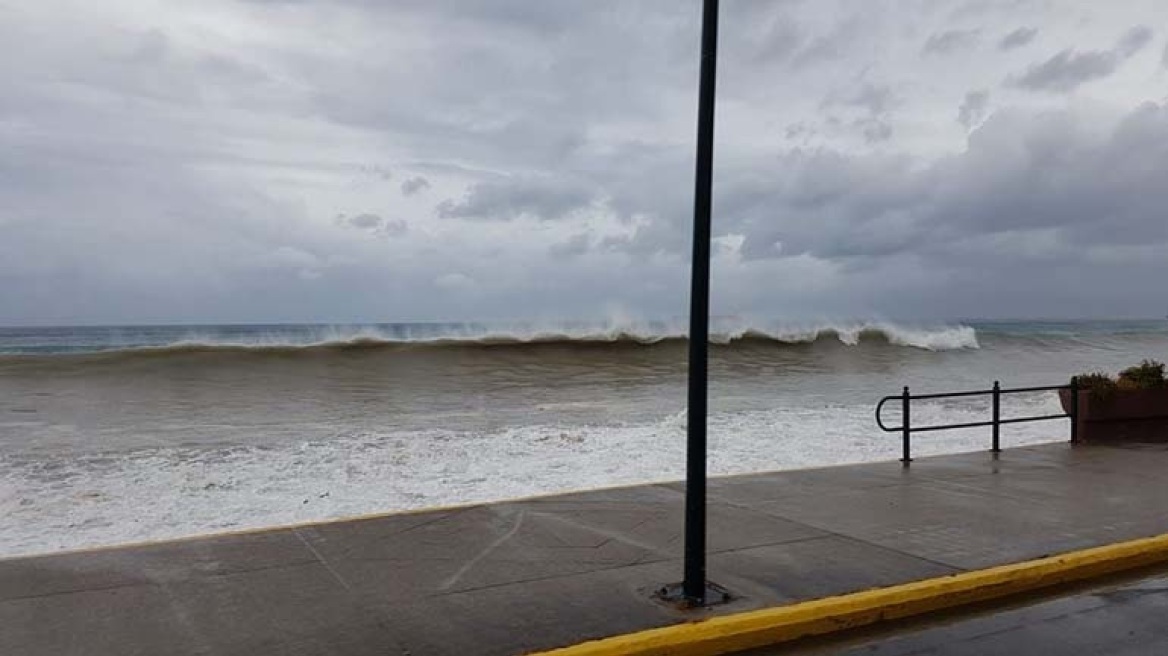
pixel 732 633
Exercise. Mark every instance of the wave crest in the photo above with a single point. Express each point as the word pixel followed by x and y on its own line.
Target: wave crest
pixel 722 335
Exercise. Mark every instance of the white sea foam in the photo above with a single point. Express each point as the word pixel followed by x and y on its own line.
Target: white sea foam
pixel 724 331
pixel 50 503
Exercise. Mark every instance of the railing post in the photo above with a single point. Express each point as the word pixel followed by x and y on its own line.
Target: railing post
pixel 906 456
pixel 997 417
pixel 1074 409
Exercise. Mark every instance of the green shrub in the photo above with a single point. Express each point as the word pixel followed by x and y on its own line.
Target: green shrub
pixel 1149 374
pixel 1099 384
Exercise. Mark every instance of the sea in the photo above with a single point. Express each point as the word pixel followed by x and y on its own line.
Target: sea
pixel 110 435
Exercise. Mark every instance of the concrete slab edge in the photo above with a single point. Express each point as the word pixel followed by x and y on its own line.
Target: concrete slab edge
pixel 769 626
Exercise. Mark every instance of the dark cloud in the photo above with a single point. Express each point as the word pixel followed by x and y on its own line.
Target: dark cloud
pixel 542 198
pixel 874 130
pixel 1018 38
pixel 1134 41
pixel 574 246
pixel 1033 199
pixel 951 41
pixel 1021 177
pixel 795 131
pixel 374 223
pixel 764 32
pixel 368 221
pixel 831 45
pixel 414 185
pixel 874 101
pixel 973 109
pixel 1069 69
pixel 375 171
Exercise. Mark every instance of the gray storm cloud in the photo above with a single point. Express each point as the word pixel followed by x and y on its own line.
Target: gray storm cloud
pixel 354 161
pixel 973 108
pixel 1018 38
pixel 1069 68
pixel 537 197
pixel 414 185
pixel 951 41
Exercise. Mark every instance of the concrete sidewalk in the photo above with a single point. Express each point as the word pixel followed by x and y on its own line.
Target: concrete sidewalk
pixel 535 574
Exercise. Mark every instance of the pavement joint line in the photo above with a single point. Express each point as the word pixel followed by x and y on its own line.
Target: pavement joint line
pixel 828 533
pixel 779 543
pixel 611 534
pixel 900 552
pixel 163 583
pixel 549 577
pixel 321 559
pixel 102 588
pixel 452 580
pixel 737 632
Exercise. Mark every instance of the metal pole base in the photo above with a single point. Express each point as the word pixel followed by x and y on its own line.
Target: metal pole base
pixel 674 595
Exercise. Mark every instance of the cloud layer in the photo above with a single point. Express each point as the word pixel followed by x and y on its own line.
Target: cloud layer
pixel 302 160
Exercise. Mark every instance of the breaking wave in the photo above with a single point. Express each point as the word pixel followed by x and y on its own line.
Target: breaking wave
pixel 406 337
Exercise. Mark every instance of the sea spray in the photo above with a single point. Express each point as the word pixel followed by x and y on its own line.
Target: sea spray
pixel 284 339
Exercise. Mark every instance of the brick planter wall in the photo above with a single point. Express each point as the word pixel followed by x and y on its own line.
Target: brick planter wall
pixel 1125 415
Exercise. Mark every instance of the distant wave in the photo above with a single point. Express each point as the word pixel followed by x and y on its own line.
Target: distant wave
pixel 937 338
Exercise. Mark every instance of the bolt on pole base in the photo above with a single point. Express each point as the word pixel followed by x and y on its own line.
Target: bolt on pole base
pixel 674 595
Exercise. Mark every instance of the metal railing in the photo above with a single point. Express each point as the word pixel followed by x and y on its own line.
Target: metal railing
pixel 907 429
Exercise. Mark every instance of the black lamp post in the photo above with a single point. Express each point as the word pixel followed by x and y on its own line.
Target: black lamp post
pixel 694 590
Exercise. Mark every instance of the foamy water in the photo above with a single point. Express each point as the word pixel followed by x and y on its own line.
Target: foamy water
pixel 149 494
pixel 166 434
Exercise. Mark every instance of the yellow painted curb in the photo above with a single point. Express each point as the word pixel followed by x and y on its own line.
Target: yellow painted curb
pixel 731 633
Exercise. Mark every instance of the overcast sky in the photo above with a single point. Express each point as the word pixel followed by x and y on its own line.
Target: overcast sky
pixel 357 160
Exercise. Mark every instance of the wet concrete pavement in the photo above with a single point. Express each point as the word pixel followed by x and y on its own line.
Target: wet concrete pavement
pixel 534 574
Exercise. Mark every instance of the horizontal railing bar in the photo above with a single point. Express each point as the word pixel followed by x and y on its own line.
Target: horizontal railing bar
pixel 1048 388
pixel 1019 420
pixel 946 395
pixel 973 424
pixel 989 392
